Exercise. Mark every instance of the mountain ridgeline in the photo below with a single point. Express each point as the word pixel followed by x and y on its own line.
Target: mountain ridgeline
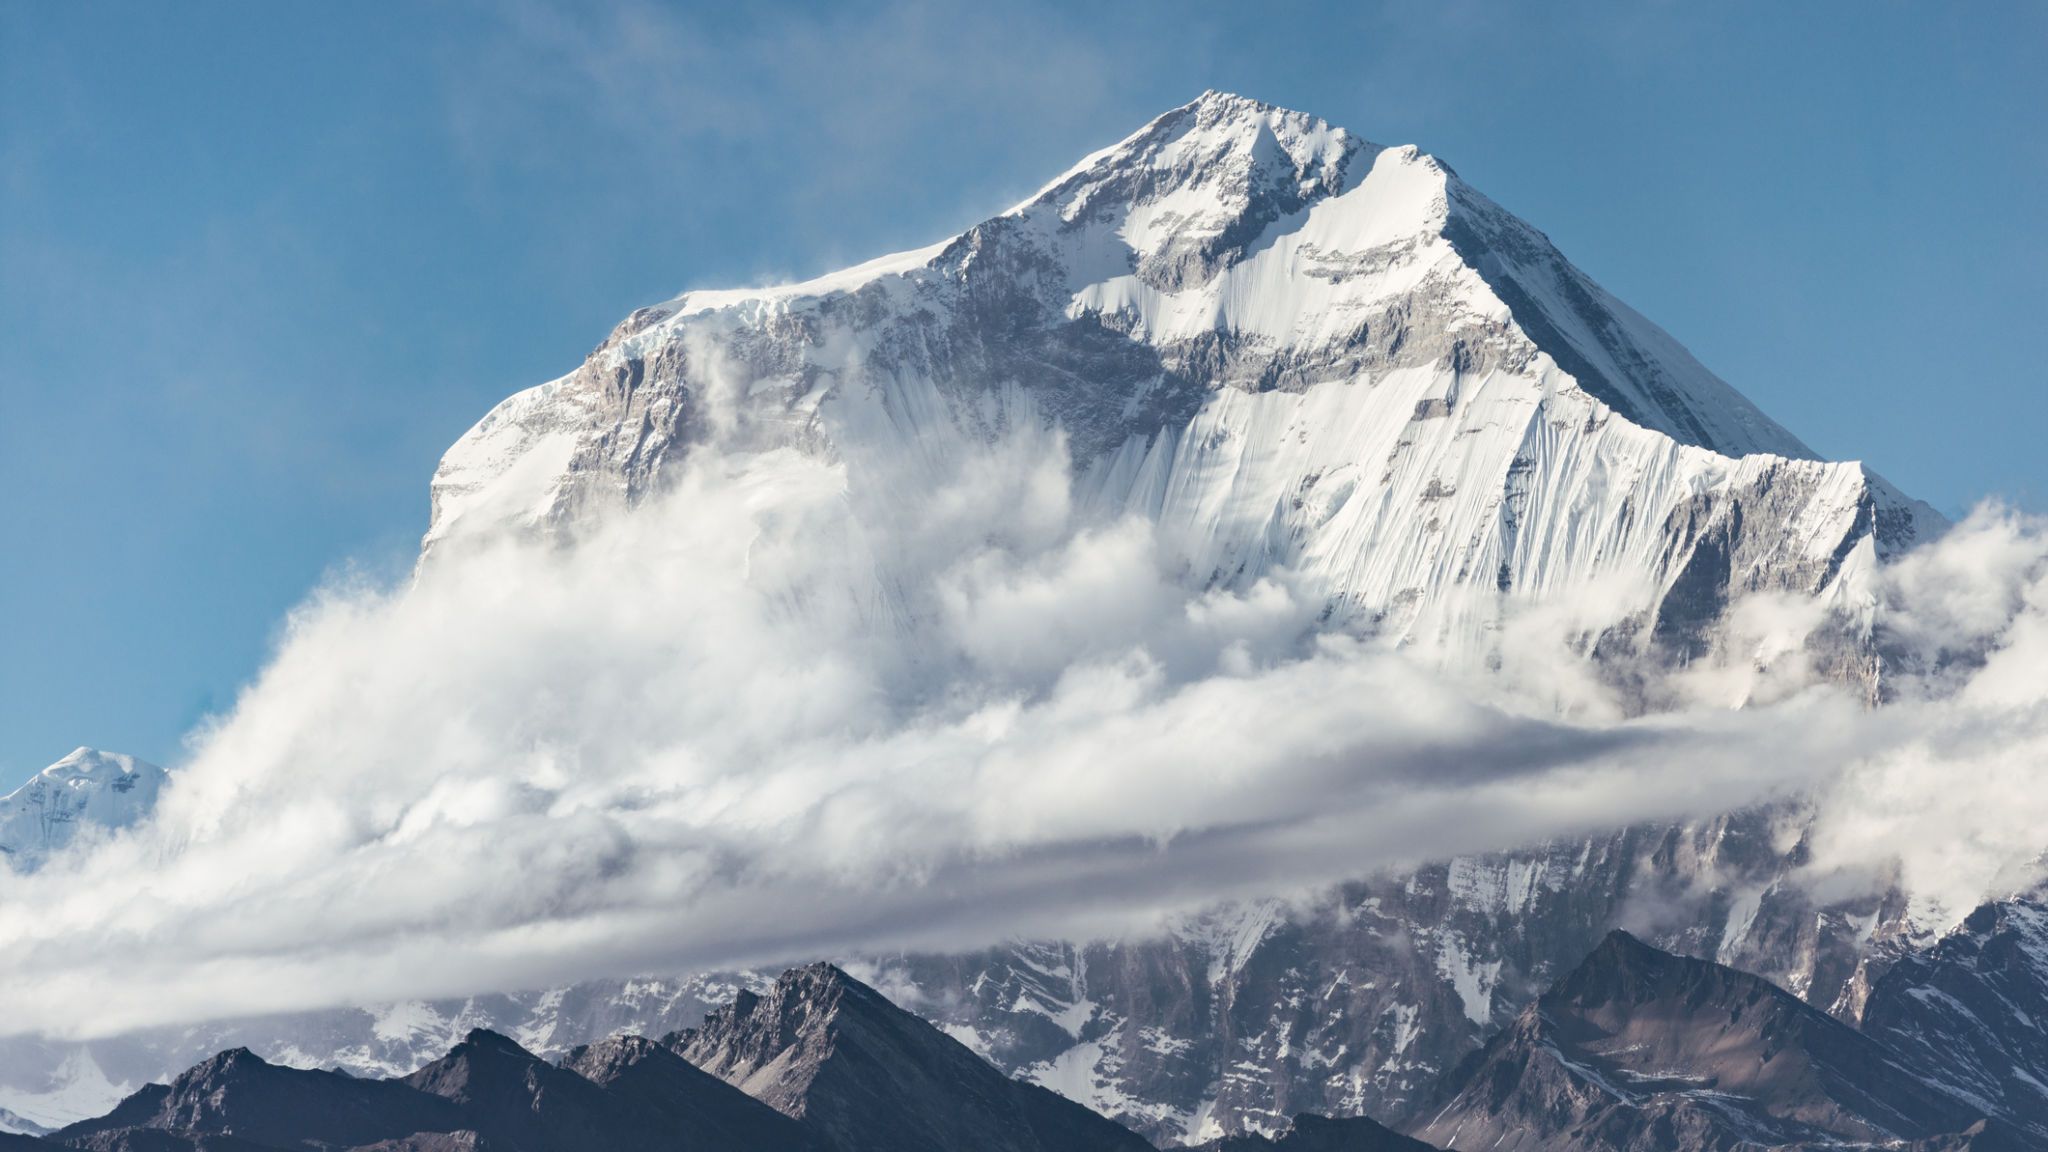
pixel 1635 1050
pixel 821 1064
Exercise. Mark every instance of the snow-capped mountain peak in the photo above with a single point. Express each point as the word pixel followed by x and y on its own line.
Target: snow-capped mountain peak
pixel 1196 185
pixel 87 788
pixel 1286 348
pixel 1206 185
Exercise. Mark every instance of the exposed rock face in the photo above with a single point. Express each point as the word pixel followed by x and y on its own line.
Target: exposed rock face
pixel 486 1095
pixel 869 1077
pixel 1969 1012
pixel 1640 1049
pixel 677 1097
pixel 238 1093
pixel 623 1093
pixel 515 1100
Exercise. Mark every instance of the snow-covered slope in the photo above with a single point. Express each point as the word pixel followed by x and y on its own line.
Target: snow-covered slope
pixel 88 788
pixel 1284 346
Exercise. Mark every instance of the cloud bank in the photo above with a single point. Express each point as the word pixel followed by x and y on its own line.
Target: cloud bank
pixel 797 707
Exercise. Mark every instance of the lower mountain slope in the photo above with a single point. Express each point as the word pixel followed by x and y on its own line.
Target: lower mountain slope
pixel 1634 1050
pixel 1639 1050
pixel 486 1095
pixel 240 1093
pixel 835 1067
pixel 868 1076
pixel 518 1102
pixel 677 1097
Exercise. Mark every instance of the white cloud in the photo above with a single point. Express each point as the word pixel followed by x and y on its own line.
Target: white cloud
pixel 796 708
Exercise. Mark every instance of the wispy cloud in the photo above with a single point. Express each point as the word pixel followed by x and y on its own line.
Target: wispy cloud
pixel 783 712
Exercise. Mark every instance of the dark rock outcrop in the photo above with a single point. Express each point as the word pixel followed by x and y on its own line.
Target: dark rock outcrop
pixel 239 1093
pixel 822 1064
pixel 867 1076
pixel 486 1095
pixel 674 1095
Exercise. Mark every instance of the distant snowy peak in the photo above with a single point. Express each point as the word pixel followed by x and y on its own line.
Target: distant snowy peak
pixel 1284 346
pixel 88 788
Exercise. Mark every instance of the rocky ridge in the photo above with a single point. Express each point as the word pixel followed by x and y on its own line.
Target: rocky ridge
pixel 821 1064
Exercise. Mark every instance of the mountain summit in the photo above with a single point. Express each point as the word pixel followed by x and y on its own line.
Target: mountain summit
pixel 88 790
pixel 1286 347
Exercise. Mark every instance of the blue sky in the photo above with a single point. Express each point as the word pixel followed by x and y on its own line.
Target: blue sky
pixel 260 263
